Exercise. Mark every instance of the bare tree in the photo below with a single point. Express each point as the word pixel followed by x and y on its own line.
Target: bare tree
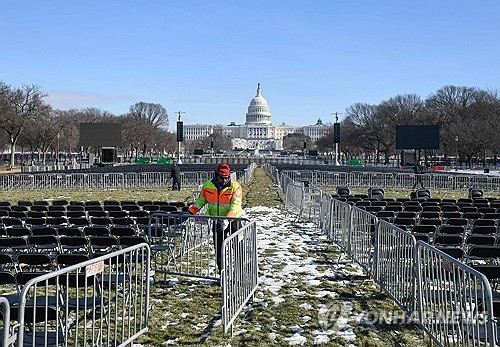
pixel 359 131
pixel 166 141
pixel 462 122
pixel 154 114
pixel 137 134
pixel 17 107
pixel 218 140
pixel 401 109
pixel 47 129
pixel 69 135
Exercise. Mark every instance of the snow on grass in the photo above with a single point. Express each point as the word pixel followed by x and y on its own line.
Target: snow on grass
pixel 289 269
pixel 297 284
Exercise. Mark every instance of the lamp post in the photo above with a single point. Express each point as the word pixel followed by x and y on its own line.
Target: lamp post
pixel 456 158
pixel 336 138
pixel 57 158
pixel 180 136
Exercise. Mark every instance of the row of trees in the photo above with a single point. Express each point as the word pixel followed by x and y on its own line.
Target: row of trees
pixel 29 123
pixel 469 120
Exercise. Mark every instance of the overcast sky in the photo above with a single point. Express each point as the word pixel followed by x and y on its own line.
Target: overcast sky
pixel 205 58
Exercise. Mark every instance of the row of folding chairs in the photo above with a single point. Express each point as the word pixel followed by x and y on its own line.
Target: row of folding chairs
pixel 79 221
pixel 51 246
pixel 444 203
pixel 481 235
pixel 470 253
pixel 92 203
pixel 97 213
pixel 73 230
pixel 409 218
pixel 450 211
pixel 5 210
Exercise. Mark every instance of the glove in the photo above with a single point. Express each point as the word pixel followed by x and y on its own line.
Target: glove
pixel 184 216
pixel 223 224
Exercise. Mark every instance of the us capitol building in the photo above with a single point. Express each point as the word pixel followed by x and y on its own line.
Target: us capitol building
pixel 258 132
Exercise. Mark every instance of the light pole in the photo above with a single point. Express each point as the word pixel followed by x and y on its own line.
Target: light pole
pixel 336 138
pixel 57 158
pixel 180 136
pixel 456 158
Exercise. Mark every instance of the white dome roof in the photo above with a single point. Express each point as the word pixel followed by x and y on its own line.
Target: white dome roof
pixel 258 111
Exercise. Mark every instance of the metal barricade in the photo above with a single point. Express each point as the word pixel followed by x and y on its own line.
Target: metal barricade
pixel 462 182
pixel 451 301
pixel 239 275
pixel 100 302
pixel 455 301
pixel 403 181
pixel 494 183
pixel 480 182
pixel 312 204
pixel 362 237
pixel 326 216
pixel 184 244
pixel 395 264
pixel 442 182
pixel 294 198
pixel 190 179
pixel 245 176
pixel 6 335
pixel 341 216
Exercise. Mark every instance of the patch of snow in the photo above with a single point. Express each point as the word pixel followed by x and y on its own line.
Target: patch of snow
pixel 296 340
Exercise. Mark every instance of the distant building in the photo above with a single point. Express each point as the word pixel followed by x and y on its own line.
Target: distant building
pixel 258 131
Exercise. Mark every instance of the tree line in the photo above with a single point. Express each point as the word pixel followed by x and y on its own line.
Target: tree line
pixel 31 124
pixel 469 120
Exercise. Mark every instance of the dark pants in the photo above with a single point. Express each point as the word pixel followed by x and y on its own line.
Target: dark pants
pixel 418 181
pixel 219 236
pixel 176 185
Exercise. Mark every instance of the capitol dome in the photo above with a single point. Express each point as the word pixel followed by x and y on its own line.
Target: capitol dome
pixel 258 111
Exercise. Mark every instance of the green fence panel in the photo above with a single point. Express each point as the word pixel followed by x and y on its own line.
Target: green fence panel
pixel 142 161
pixel 163 161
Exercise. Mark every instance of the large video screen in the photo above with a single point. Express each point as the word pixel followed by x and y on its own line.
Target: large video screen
pixel 101 134
pixel 417 136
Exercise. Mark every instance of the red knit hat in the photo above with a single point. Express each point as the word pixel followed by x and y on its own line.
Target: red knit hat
pixel 223 169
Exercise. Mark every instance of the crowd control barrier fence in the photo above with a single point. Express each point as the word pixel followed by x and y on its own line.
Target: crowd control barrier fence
pixel 6 336
pixel 449 300
pixel 184 244
pixel 78 181
pixel 239 272
pixel 100 302
pixel 436 181
pixel 455 301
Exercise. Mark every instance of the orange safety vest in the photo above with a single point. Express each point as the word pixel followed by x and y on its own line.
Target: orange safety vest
pixel 225 202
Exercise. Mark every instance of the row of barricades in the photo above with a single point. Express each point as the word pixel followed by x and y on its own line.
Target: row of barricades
pixel 448 299
pixel 113 180
pixel 100 302
pixel 187 245
pixel 105 301
pixel 399 180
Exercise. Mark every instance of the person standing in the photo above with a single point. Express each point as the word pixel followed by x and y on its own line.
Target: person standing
pixel 175 174
pixel 418 170
pixel 224 198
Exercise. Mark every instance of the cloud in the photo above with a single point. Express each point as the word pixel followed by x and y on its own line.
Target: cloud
pixel 80 99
